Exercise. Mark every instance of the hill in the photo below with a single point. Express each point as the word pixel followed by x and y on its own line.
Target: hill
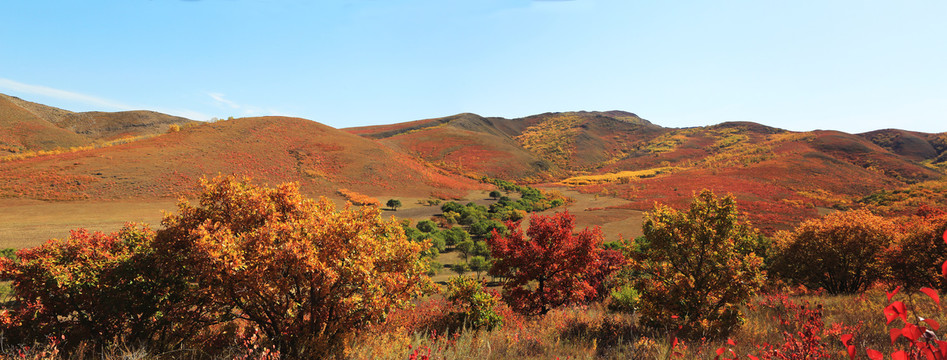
pixel 780 177
pixel 271 149
pixel 22 130
pixel 537 148
pixel 40 127
pixel 913 145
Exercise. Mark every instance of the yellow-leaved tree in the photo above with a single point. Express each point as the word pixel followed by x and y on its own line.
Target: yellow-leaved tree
pixel 308 275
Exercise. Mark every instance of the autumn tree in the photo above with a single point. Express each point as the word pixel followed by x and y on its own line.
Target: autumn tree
pixel 98 288
pixel 842 252
pixel 308 275
pixel 696 267
pixel 915 259
pixel 549 265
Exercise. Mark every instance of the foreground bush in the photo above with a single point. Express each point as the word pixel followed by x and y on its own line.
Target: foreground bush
pixel 915 259
pixel 842 252
pixel 475 307
pixel 99 289
pixel 554 266
pixel 697 267
pixel 307 275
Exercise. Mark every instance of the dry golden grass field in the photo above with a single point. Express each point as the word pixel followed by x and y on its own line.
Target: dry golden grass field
pixel 26 223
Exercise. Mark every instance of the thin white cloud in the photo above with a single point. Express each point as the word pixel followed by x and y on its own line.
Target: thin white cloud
pixel 92 101
pixel 218 97
pixel 63 95
pixel 244 110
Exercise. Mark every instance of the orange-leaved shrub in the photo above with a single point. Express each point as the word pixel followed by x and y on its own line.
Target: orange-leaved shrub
pixel 553 266
pixel 308 275
pixel 696 267
pixel 97 288
pixel 358 198
pixel 842 252
pixel 915 259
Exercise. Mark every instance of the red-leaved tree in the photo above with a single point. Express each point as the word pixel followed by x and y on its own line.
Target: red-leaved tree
pixel 552 266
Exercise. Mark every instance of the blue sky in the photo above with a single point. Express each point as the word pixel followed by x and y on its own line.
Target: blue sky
pixel 851 65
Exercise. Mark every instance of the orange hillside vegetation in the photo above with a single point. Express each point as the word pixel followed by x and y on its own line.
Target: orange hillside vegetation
pixel 269 149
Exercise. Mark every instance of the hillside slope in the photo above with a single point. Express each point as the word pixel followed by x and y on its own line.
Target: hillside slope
pixel 90 126
pixel 780 177
pixel 271 149
pixel 537 148
pixel 910 144
pixel 22 130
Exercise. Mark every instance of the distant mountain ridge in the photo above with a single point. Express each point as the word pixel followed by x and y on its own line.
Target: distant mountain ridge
pixel 30 126
pixel 780 177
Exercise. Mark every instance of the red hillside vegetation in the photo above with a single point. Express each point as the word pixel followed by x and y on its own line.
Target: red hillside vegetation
pixel 270 149
pixel 779 177
pixel 537 148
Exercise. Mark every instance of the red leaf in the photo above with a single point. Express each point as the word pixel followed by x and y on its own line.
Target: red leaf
pixel 874 354
pixel 720 351
pixel 894 333
pixel 942 347
pixel 899 355
pixel 943 269
pixel 933 294
pixel 932 323
pixel 753 357
pixel 734 343
pixel 891 294
pixel 674 344
pixel 945 236
pixel 912 332
pixel 896 309
pixel 847 341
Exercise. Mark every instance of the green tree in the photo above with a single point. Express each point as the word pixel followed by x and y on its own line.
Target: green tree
pixel 426 226
pixel 474 306
pixel 460 269
pixel 455 235
pixel 495 194
pixel 393 204
pixel 466 248
pixel 697 267
pixel 479 264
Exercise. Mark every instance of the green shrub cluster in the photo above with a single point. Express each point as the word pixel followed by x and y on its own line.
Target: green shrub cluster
pixel 474 306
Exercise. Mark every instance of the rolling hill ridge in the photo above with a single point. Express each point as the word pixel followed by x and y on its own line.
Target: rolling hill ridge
pixel 28 126
pixel 270 149
pixel 780 177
